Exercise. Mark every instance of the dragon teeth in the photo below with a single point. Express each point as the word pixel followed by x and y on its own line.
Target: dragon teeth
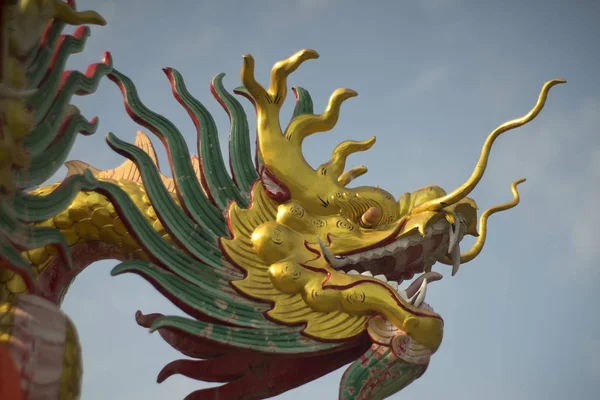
pixel 329 257
pixel 455 256
pixel 352 272
pixel 453 235
pixel 418 297
pixel 381 277
pixel 392 248
pixel 367 273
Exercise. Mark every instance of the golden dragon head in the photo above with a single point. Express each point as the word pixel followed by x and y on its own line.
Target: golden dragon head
pixel 332 256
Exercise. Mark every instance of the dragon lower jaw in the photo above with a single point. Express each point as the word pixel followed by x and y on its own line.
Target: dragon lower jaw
pixel 404 258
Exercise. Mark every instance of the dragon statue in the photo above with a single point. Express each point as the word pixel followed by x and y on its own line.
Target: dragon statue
pixel 285 272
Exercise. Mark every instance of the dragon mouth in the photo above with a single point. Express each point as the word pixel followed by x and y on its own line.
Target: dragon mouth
pixel 407 256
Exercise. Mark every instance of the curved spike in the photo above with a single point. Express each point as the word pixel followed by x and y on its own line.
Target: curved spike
pixel 41 101
pixel 44 134
pixel 39 65
pixel 29 238
pixel 35 208
pixel 187 186
pixel 11 259
pixel 225 368
pixel 305 125
pixel 26 237
pixel 216 180
pixel 73 82
pixel 39 170
pixel 205 297
pixel 127 170
pixel 282 69
pixel 242 168
pixel 274 97
pixel 304 103
pixel 335 166
pixel 242 91
pixel 63 12
pixel 351 174
pixel 181 228
pixel 154 245
pixel 283 340
pixel 257 93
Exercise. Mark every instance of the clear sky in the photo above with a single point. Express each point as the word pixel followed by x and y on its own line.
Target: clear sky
pixel 434 77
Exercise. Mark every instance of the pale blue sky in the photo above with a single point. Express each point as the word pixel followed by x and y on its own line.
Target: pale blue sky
pixel 433 77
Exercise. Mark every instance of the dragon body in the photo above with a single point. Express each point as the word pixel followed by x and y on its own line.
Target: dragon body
pixel 285 272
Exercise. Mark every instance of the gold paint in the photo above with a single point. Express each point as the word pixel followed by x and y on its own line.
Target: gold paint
pixel 87 230
pixel 101 217
pixel 16 285
pixel 467 187
pixel 276 255
pixel 337 163
pixel 478 245
pixel 62 221
pixel 321 205
pixel 275 244
pixel 52 250
pixel 38 256
pixel 7 315
pixel 70 385
pixel 350 175
pixel 22 26
pixel 63 12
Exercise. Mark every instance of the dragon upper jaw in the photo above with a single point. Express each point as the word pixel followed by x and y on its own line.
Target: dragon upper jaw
pixel 401 259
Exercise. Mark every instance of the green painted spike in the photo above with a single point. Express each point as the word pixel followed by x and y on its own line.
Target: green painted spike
pixel 35 238
pixel 378 359
pixel 38 67
pixel 218 182
pixel 188 188
pixel 226 306
pixel 50 124
pixel 28 208
pixel 44 165
pixel 287 342
pixel 46 132
pixel 240 155
pixel 43 98
pixel 241 90
pixel 154 244
pixel 13 258
pixel 189 235
pixel 304 104
pixel 26 237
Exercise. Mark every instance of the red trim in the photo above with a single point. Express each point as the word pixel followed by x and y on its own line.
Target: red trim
pixel 222 103
pixel 280 197
pixel 384 242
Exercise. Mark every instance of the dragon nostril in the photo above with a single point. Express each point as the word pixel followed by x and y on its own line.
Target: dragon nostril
pixel 371 217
